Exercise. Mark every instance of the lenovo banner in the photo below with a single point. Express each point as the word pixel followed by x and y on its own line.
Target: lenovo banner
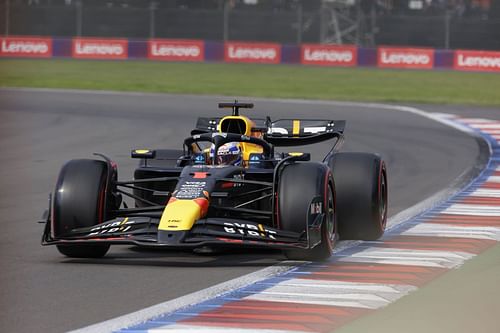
pixel 390 57
pixel 176 50
pixel 26 47
pixel 329 55
pixel 93 48
pixel 477 61
pixel 268 53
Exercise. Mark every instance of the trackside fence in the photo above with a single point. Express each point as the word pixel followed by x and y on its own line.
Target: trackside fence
pixel 248 52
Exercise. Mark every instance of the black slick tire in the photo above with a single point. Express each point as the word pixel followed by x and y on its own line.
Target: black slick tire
pixel 79 201
pixel 361 183
pixel 299 184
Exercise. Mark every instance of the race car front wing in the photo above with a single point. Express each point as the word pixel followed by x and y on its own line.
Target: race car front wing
pixel 143 231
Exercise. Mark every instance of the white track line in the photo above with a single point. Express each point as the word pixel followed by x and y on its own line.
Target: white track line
pixel 493 179
pixel 485 193
pixel 339 286
pixel 364 301
pixel 473 210
pixel 396 256
pixel 486 127
pixel 445 230
pixel 182 328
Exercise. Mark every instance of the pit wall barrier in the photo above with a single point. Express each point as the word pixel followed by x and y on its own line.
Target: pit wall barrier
pixel 246 52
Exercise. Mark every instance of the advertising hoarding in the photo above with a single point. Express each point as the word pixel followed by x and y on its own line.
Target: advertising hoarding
pixel 94 48
pixel 176 50
pixel 329 55
pixel 32 47
pixel 268 53
pixel 488 61
pixel 392 57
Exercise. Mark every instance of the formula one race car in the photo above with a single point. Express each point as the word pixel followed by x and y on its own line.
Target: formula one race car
pixel 226 187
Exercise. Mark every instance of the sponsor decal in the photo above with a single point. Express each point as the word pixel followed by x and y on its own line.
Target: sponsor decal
pixel 477 61
pixel 223 134
pixel 112 227
pixel 308 130
pixel 190 190
pixel 249 229
pixel 208 166
pixel 92 48
pixel 176 50
pixel 200 175
pixel 329 55
pixel 252 52
pixel 389 57
pixel 36 47
pixel 316 208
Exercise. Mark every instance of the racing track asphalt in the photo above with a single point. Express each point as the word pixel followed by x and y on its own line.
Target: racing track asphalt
pixel 40 290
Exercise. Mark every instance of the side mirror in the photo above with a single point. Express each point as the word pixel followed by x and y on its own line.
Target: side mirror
pixel 143 153
pixel 299 156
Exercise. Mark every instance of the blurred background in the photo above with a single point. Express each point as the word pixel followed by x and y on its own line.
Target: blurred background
pixel 444 24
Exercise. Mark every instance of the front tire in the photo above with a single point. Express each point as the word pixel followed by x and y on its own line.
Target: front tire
pixel 79 202
pixel 299 184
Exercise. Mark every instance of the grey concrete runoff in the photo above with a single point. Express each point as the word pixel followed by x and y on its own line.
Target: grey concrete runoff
pixel 41 129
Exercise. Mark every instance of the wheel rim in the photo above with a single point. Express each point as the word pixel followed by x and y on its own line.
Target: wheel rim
pixel 330 216
pixel 383 200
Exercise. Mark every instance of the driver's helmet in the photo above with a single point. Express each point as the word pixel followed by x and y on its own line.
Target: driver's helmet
pixel 228 154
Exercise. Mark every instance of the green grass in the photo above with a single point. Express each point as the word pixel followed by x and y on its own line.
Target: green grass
pixel 285 81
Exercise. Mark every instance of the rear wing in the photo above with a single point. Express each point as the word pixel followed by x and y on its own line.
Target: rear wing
pixel 205 125
pixel 210 124
pixel 299 132
pixel 285 132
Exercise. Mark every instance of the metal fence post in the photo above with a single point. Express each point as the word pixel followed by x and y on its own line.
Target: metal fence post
pixel 79 17
pixel 226 20
pixel 373 26
pixel 7 17
pixel 447 21
pixel 322 23
pixel 300 19
pixel 360 22
pixel 152 11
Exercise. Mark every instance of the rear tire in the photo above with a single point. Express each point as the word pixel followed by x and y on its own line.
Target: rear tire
pixel 80 201
pixel 299 184
pixel 361 181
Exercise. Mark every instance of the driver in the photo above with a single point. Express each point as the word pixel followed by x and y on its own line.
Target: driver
pixel 228 154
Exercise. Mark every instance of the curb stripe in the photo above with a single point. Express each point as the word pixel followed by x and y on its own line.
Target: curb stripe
pixel 473 246
pixel 358 273
pixel 444 230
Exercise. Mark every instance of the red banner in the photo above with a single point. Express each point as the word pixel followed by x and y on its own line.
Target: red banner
pixel 26 47
pixel 269 53
pixel 93 48
pixel 488 61
pixel 329 55
pixel 176 50
pixel 390 57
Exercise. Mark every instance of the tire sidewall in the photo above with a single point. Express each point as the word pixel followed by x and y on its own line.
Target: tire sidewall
pixel 362 204
pixel 324 185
